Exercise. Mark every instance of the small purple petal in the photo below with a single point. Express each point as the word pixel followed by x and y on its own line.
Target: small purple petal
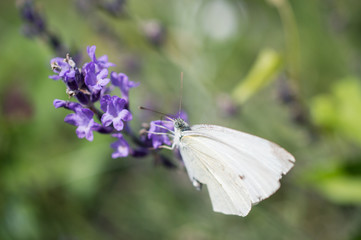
pixel 81 131
pixel 87 113
pixel 117 79
pixel 103 73
pixel 119 103
pixel 100 63
pixel 66 104
pixel 118 124
pixel 101 83
pixel 107 119
pixel 90 76
pixel 56 60
pixel 121 147
pixel 89 136
pixel 114 111
pixel 103 62
pixel 72 119
pixel 83 119
pixel 121 80
pixel 103 58
pixel 63 69
pixel 59 103
pixel 72 105
pixel 93 79
pixel 132 84
pixel 55 77
pixel 91 53
pixel 104 101
pixel 125 115
pixel 69 74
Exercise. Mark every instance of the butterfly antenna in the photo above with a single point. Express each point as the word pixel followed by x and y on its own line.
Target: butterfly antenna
pixel 154 111
pixel 181 94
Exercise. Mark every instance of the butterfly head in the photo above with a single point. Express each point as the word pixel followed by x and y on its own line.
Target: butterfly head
pixel 181 125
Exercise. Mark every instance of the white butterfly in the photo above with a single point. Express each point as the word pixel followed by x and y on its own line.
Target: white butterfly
pixel 239 169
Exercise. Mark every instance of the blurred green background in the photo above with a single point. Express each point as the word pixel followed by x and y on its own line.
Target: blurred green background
pixel 288 71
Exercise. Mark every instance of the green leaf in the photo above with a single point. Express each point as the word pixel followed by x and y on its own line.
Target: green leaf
pixel 338 180
pixel 340 110
pixel 342 189
pixel 267 65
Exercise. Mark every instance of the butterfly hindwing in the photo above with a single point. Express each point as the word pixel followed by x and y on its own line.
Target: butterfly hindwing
pixel 227 196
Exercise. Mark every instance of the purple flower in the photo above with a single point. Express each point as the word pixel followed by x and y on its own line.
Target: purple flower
pixel 158 134
pixel 63 69
pixel 121 80
pixel 102 62
pixel 95 80
pixel 113 106
pixel 83 119
pixel 121 146
pixel 66 104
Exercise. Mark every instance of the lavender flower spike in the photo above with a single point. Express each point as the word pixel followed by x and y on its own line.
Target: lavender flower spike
pixel 83 119
pixel 121 146
pixel 121 80
pixel 113 106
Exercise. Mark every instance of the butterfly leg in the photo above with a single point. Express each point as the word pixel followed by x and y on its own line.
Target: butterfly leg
pixel 166 147
pixel 161 126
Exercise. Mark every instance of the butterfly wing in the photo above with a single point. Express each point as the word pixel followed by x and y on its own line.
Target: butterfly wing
pixel 227 196
pixel 239 169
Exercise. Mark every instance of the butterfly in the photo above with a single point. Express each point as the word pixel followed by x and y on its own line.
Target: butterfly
pixel 238 168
